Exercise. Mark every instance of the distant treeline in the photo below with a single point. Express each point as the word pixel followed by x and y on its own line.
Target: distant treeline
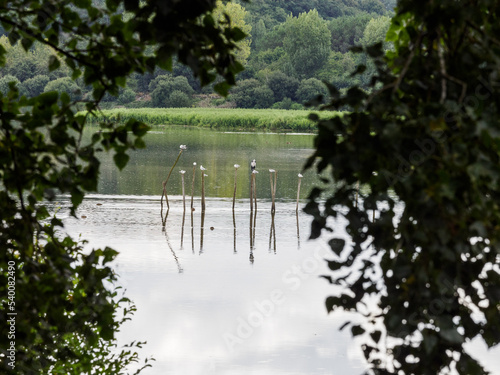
pixel 291 48
pixel 222 118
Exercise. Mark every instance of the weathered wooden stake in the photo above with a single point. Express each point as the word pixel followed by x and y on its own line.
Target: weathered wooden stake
pixel 192 187
pixel 254 173
pixel 298 193
pixel 203 188
pixel 273 188
pixel 236 166
pixel 164 193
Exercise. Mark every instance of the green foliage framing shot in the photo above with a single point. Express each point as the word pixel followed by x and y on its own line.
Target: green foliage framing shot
pixel 66 313
pixel 421 273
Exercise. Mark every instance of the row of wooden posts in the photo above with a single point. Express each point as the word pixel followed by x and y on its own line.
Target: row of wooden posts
pixel 253 187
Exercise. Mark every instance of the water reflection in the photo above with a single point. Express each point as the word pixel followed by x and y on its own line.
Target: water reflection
pixel 218 152
pixel 252 231
pixel 219 292
pixel 178 318
pixel 164 218
pixel 179 268
pixel 182 227
pixel 298 230
pixel 272 234
pixel 192 228
pixel 202 227
pixel 234 226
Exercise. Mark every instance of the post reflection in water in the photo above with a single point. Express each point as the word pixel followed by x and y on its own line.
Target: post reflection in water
pixel 201 230
pixel 182 228
pixel 179 268
pixel 272 234
pixel 234 226
pixel 252 234
pixel 192 231
pixel 164 219
pixel 298 232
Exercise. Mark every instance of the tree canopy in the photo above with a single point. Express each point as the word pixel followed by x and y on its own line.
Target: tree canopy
pixel 307 43
pixel 420 272
pixel 66 313
pixel 235 14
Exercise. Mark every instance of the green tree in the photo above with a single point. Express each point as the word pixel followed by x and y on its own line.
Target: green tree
pixel 264 97
pixel 235 14
pixel 6 81
pixel 163 86
pixel 309 89
pixel 419 269
pixel 282 85
pixel 35 86
pixel 337 71
pixel 258 35
pixel 372 6
pixel 250 93
pixel 127 96
pixel 286 103
pixel 268 59
pixel 66 85
pixel 66 310
pixel 183 70
pixel 307 43
pixel 374 33
pixel 347 31
pixel 274 37
pixel 19 63
pixel 178 99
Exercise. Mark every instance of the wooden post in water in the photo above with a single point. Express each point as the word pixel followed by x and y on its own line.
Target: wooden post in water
pixel 254 173
pixel 182 172
pixel 298 193
pixel 236 166
pixel 251 192
pixel 202 188
pixel 273 188
pixel 192 188
pixel 164 193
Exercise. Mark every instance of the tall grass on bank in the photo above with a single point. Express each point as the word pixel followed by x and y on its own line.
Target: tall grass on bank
pixel 223 118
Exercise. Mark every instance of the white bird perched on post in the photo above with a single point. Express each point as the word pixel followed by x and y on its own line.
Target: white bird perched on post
pixel 253 164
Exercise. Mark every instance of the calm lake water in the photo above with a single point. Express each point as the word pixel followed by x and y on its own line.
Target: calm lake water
pixel 221 294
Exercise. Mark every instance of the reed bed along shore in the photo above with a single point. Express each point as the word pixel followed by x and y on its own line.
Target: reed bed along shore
pixel 222 118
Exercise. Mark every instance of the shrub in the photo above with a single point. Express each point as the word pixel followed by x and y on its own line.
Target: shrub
pixel 178 99
pixel 66 85
pixel 243 93
pixel 165 86
pixel 250 93
pixel 297 106
pixel 309 89
pixel 282 85
pixel 263 96
pixel 286 103
pixel 4 83
pixel 35 86
pixel 127 96
pixel 153 84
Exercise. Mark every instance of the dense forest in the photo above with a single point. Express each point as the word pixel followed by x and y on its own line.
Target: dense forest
pixel 291 48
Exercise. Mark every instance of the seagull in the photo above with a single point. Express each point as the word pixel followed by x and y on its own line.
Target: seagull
pixel 253 164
